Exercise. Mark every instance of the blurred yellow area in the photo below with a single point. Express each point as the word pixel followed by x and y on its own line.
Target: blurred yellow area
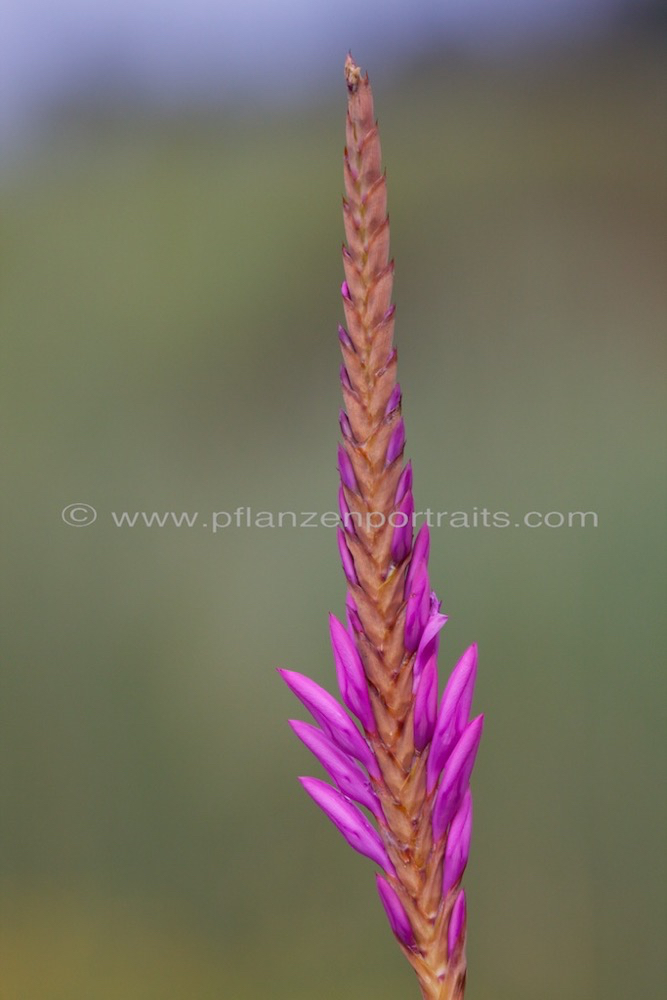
pixel 70 945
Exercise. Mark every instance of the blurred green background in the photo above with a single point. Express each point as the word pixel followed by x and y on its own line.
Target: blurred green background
pixel 170 294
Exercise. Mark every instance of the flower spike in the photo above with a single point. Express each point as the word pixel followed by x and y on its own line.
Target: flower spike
pixel 411 766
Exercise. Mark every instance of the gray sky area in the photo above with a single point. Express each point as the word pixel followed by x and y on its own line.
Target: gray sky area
pixel 170 50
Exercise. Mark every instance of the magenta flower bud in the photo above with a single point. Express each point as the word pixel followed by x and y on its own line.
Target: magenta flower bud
pixel 404 483
pixel 351 676
pixel 453 715
pixel 402 537
pixel 345 516
pixel 394 400
pixel 346 470
pixel 458 845
pixel 345 291
pixel 344 338
pixel 332 718
pixel 396 915
pixel 455 777
pixel 406 509
pixel 420 553
pixel 345 428
pixel 354 826
pixel 343 508
pixel 457 923
pixel 428 644
pixel 346 558
pixel 396 443
pixel 340 766
pixel 400 543
pixel 426 705
pixel 345 379
pixel 416 611
pixel 353 619
pixel 391 358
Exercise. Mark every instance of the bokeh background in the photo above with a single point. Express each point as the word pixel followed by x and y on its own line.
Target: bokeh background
pixel 170 193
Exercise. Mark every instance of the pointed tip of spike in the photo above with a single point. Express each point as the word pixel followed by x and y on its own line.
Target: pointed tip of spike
pixel 352 73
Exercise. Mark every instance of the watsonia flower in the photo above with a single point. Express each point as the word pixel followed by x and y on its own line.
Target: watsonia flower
pixel 409 764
